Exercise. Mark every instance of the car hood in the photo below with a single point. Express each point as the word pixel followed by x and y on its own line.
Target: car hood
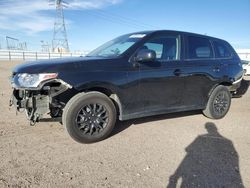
pixel 63 64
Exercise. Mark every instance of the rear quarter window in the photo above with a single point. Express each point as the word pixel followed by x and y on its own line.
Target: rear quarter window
pixel 199 48
pixel 221 50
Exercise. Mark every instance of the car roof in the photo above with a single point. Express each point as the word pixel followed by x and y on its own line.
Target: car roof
pixel 178 32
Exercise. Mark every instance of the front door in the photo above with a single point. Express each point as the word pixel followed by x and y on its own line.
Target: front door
pixel 161 86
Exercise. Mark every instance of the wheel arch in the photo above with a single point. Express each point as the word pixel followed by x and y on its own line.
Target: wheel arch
pixel 209 110
pixel 110 92
pixel 224 83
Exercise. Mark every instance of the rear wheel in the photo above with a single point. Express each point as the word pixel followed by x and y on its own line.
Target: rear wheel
pixel 219 103
pixel 89 117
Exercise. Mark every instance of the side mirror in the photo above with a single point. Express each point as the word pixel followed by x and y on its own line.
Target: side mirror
pixel 145 55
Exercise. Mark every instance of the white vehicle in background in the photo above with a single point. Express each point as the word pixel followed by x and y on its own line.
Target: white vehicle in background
pixel 246 67
pixel 245 82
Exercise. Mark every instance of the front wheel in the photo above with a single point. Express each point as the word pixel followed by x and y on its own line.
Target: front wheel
pixel 219 103
pixel 89 117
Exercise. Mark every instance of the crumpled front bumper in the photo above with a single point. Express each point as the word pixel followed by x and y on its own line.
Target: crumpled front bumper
pixel 38 101
pixel 34 106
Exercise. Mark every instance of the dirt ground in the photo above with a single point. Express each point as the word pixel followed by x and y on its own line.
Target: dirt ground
pixel 186 148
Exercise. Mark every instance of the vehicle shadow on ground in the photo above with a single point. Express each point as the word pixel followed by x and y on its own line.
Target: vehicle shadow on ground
pixel 211 161
pixel 122 125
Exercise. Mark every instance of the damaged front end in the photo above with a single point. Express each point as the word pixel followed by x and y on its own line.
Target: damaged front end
pixel 38 94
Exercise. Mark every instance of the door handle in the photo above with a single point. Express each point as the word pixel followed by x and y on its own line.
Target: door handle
pixel 177 72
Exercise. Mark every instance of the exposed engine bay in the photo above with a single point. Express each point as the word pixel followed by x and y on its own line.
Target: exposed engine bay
pixel 45 100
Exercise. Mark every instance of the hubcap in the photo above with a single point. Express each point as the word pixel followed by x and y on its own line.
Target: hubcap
pixel 92 119
pixel 221 103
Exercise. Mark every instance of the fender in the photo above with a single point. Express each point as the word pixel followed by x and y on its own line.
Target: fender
pixel 106 88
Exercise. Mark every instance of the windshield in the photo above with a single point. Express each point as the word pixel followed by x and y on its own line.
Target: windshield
pixel 117 46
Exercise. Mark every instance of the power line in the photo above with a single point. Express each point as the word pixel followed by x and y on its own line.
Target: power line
pixel 119 19
pixel 126 19
pixel 115 21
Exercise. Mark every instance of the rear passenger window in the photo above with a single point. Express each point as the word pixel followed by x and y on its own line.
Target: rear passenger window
pixel 199 48
pixel 221 50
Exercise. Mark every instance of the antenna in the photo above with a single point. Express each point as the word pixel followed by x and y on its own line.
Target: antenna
pixel 60 41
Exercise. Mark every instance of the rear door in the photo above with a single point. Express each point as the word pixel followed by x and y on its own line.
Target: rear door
pixel 201 71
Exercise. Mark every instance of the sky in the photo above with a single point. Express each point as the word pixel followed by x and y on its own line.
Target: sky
pixel 90 23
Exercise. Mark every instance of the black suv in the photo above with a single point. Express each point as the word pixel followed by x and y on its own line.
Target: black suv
pixel 135 75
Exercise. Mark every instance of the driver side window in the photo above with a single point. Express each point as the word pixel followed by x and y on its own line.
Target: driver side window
pixel 158 48
pixel 166 48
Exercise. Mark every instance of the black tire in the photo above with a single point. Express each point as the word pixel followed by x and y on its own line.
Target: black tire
pixel 89 117
pixel 219 103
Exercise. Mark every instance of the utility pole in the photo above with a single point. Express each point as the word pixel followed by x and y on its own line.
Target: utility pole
pixel 60 40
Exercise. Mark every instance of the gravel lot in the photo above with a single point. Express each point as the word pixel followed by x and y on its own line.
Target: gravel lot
pixel 186 148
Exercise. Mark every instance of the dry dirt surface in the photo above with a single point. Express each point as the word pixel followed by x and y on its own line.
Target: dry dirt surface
pixel 183 149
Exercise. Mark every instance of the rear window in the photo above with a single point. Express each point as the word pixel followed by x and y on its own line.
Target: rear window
pixel 199 48
pixel 221 50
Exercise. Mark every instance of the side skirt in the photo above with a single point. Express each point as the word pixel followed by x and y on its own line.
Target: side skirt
pixel 159 112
